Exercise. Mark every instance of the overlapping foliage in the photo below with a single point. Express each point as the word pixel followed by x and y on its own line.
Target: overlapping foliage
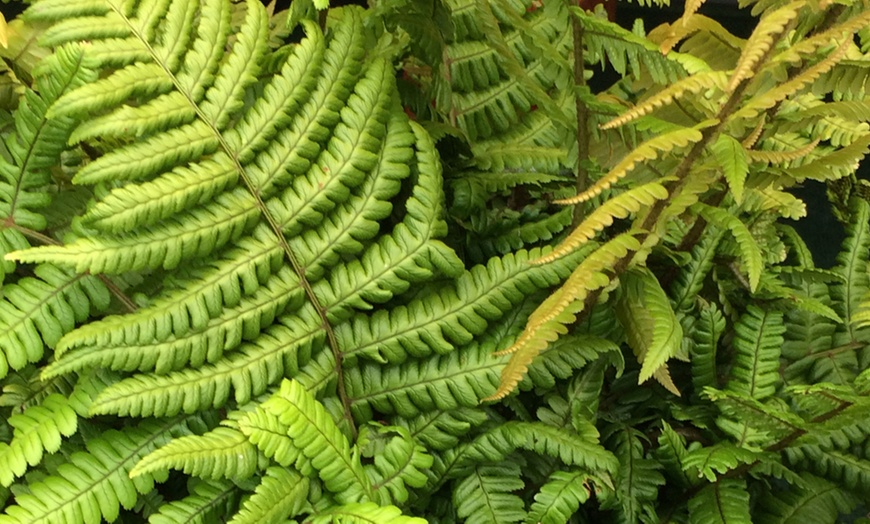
pixel 236 285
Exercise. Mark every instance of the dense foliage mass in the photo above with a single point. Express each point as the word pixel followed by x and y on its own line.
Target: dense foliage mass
pixel 406 264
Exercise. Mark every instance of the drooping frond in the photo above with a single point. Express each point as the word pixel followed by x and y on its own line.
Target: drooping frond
pixel 781 157
pixel 750 253
pixel 626 52
pixel 757 343
pixel 763 37
pixel 36 430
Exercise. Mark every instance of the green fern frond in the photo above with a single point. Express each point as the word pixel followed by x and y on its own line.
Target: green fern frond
pixel 207 501
pixel 363 513
pixel 749 251
pixel 833 464
pixel 724 502
pixel 757 342
pixel 281 494
pixel 652 329
pixel 852 265
pixel 560 497
pixel 94 485
pixel 705 335
pixel 485 495
pixel 319 439
pixel 712 461
pixel 222 453
pixel 836 165
pixel 37 311
pixel 38 142
pixel 442 430
pixel 638 478
pixel 38 429
pixel 568 354
pixel 781 157
pixel 399 462
pixel 269 434
pixel 626 52
pixel 819 501
pixel 761 40
pixel 690 279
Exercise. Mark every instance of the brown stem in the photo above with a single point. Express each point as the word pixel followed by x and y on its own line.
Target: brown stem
pixel 582 181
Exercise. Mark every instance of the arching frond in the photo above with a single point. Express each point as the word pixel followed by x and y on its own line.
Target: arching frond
pixel 693 84
pixel 620 206
pixel 781 157
pixel 364 513
pixel 649 150
pixel 766 32
pixel 222 453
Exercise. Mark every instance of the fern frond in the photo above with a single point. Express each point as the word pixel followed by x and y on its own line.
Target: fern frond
pixel 712 461
pixel 485 495
pixel 757 342
pixel 690 280
pixel 842 162
pixel 222 453
pixel 548 321
pixel 732 158
pixel 399 462
pixel 269 434
pixel 207 501
pixel 363 513
pixel 94 485
pixel 651 326
pixel 649 150
pixel 693 84
pixel 38 141
pixel 38 429
pixel 442 430
pixel 724 502
pixel 574 448
pixel 281 494
pixel 706 332
pixel 853 266
pixel 818 500
pixel 37 311
pixel 638 478
pixel 833 464
pixel 761 40
pixel 620 206
pixel 750 253
pixel 316 435
pixel 781 157
pixel 560 497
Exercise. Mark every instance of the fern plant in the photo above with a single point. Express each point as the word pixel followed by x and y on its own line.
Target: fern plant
pixel 236 286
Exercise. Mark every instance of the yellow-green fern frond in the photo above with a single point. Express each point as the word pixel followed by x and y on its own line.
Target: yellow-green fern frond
pixel 620 206
pixel 669 35
pixel 548 321
pixel 692 84
pixel 650 150
pixel 652 329
pixel 731 156
pixel 781 157
pixel 763 37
